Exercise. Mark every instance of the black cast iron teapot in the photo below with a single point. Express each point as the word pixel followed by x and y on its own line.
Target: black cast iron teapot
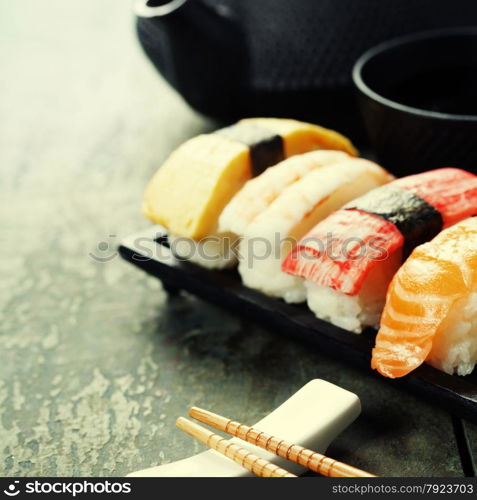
pixel 235 58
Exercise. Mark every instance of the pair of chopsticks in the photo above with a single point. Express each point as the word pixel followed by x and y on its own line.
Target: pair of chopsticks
pixel 259 466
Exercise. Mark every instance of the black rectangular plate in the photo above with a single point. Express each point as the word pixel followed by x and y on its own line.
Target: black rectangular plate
pixel 149 250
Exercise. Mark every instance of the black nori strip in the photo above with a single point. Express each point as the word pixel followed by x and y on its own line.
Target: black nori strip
pixel 266 147
pixel 417 221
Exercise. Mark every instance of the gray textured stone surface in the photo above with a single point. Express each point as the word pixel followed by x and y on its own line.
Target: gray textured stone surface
pixel 97 362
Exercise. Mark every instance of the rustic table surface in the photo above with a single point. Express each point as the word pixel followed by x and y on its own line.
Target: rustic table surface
pixel 97 361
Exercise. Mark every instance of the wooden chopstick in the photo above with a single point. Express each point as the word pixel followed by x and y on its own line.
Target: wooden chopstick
pixel 259 466
pixel 310 459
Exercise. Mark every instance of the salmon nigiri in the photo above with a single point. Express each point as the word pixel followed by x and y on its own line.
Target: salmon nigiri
pixel 431 307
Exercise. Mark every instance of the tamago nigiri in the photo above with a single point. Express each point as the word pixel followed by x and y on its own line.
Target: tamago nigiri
pixel 192 187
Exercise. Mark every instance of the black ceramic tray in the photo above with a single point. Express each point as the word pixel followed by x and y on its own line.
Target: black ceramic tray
pixel 149 250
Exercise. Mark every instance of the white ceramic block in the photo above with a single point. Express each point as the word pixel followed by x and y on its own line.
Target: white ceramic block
pixel 312 418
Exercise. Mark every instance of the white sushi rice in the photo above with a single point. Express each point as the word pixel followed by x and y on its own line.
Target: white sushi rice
pixel 355 312
pixel 454 348
pixel 260 261
pixel 272 234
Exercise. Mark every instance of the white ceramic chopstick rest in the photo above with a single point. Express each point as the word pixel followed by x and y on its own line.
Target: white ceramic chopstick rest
pixel 312 418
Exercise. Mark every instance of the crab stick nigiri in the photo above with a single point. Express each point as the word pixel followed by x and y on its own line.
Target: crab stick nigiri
pixel 431 307
pixel 349 259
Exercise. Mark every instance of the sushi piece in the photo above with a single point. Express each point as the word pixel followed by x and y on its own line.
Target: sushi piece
pixel 349 259
pixel 194 184
pixel 192 187
pixel 258 193
pixel 431 307
pixel 292 210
